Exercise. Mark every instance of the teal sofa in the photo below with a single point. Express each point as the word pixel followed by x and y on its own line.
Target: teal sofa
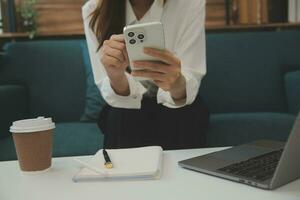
pixel 47 78
pixel 252 89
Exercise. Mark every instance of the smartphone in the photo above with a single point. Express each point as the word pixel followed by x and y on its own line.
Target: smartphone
pixel 139 36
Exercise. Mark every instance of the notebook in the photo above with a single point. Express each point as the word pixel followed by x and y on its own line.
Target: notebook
pixel 132 163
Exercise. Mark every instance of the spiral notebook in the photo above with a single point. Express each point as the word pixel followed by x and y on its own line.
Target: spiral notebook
pixel 132 163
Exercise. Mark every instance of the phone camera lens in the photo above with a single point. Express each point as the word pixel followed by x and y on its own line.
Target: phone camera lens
pixel 131 34
pixel 141 36
pixel 132 41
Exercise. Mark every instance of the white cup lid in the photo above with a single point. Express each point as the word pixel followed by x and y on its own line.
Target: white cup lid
pixel 32 125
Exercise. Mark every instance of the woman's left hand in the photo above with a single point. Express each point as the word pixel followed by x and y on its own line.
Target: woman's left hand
pixel 165 74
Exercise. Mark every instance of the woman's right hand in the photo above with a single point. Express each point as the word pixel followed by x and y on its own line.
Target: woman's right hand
pixel 115 60
pixel 114 56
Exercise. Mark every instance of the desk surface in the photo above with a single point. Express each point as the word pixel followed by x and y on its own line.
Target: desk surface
pixel 176 183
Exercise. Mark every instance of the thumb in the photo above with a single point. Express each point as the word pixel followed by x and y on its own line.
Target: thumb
pixel 119 37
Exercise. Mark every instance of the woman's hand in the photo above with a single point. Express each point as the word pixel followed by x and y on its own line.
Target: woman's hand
pixel 115 60
pixel 165 74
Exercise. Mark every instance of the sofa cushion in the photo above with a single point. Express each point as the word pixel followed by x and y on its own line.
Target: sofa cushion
pixel 93 99
pixel 53 72
pixel 234 129
pixel 245 71
pixel 292 85
pixel 70 139
pixel 14 106
pixel 7 149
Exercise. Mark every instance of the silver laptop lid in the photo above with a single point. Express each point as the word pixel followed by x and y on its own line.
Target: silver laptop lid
pixel 288 168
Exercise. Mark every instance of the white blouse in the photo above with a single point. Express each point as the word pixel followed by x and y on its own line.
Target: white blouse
pixel 184 29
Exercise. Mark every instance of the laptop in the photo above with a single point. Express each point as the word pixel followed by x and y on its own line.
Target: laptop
pixel 264 164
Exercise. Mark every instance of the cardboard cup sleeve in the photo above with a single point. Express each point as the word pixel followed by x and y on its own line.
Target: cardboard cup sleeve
pixel 34 150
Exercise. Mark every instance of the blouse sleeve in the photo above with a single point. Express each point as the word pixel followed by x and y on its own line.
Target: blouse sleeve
pixel 102 81
pixel 191 49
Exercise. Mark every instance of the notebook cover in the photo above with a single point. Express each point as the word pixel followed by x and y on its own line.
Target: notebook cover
pixel 132 163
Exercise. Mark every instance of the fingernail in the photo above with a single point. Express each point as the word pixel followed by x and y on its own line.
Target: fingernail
pixel 146 50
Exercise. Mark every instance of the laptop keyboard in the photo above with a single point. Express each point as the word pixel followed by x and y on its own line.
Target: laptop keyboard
pixel 259 168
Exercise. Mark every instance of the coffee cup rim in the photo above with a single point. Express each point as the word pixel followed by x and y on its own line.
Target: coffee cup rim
pixel 32 125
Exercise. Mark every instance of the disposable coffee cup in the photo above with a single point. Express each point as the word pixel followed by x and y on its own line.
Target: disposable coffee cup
pixel 33 140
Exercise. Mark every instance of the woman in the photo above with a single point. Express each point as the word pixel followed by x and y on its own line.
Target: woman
pixel 166 111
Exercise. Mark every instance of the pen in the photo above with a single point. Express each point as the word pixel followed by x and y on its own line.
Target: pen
pixel 108 164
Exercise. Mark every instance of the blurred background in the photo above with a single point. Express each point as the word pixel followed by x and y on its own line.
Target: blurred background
pixel 63 17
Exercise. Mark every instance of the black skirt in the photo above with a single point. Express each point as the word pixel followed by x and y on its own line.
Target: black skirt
pixel 155 124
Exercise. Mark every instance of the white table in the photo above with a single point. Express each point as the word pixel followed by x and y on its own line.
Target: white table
pixel 176 183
